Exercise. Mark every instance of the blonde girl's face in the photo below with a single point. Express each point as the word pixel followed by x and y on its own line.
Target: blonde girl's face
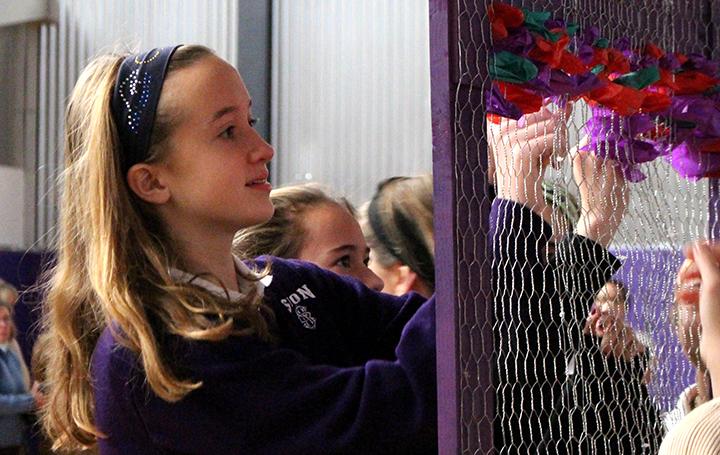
pixel 334 241
pixel 216 168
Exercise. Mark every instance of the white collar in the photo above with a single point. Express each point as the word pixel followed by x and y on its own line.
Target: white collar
pixel 245 286
pixel 4 347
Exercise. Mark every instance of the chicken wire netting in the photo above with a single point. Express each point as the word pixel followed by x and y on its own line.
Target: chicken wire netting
pixel 582 252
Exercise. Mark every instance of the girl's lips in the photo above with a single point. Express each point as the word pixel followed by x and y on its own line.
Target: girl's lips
pixel 688 292
pixel 262 185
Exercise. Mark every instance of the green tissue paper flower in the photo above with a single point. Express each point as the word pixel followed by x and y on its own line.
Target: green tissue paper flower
pixel 508 67
pixel 640 79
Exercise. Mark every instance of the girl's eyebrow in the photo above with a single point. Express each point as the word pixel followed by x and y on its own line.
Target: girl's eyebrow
pixel 222 112
pixel 340 248
pixel 227 110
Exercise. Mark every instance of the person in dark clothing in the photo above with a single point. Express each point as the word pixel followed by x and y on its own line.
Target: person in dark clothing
pixel 545 283
pixel 607 396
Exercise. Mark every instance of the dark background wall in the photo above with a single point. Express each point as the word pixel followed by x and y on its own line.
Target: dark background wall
pixel 255 58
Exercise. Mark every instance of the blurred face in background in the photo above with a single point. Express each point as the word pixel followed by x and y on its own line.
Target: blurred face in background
pixel 686 315
pixel 6 325
pixel 608 309
pixel 334 241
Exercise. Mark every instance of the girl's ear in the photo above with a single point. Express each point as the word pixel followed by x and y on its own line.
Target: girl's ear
pixel 144 180
pixel 407 280
pixel 411 281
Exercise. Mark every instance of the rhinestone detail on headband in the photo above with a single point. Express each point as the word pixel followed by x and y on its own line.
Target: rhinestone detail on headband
pixel 140 61
pixel 135 100
pixel 128 89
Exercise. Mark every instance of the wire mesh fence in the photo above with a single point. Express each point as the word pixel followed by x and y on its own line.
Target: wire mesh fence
pixel 566 252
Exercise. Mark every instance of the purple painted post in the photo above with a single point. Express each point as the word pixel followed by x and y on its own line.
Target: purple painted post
pixel 464 295
pixel 444 211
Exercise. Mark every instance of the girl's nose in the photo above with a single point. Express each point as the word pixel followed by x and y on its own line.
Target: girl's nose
pixel 371 280
pixel 262 152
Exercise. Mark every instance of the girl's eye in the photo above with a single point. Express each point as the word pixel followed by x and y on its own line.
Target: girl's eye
pixel 253 121
pixel 228 133
pixel 343 262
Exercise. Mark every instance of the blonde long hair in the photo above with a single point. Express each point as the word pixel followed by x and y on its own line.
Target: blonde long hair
pixel 113 262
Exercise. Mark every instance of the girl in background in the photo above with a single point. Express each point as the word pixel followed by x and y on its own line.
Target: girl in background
pixel 398 227
pixel 699 286
pixel 310 225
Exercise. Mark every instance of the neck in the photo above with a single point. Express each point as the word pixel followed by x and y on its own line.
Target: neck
pixel 703 386
pixel 207 252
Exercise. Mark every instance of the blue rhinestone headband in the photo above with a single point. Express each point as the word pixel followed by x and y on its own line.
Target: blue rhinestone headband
pixel 135 99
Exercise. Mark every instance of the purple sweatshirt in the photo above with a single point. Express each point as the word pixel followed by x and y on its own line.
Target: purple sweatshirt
pixel 354 373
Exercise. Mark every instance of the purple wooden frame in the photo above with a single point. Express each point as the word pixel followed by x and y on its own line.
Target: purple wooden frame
pixel 444 211
pixel 465 391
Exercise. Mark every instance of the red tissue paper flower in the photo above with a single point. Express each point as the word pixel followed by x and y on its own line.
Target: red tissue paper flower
pixel 709 145
pixel 617 62
pixel 621 99
pixel 653 51
pixel 693 82
pixel 496 119
pixel 600 57
pixel 572 64
pixel 667 80
pixel 655 102
pixel 548 52
pixel 502 17
pixel 526 100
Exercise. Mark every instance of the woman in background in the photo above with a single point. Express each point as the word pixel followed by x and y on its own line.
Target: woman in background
pixel 15 399
pixel 9 295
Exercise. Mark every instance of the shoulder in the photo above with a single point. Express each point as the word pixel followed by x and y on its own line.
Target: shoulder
pixel 698 432
pixel 293 276
pixel 286 267
pixel 110 352
pixel 118 385
pixel 114 368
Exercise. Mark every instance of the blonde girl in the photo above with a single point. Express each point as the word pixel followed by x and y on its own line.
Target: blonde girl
pixel 311 225
pixel 159 340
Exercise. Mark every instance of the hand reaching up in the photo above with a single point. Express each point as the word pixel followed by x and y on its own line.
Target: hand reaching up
pixel 604 195
pixel 520 151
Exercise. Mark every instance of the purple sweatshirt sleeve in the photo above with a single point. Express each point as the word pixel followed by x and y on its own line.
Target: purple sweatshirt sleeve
pixel 261 399
pixel 369 322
